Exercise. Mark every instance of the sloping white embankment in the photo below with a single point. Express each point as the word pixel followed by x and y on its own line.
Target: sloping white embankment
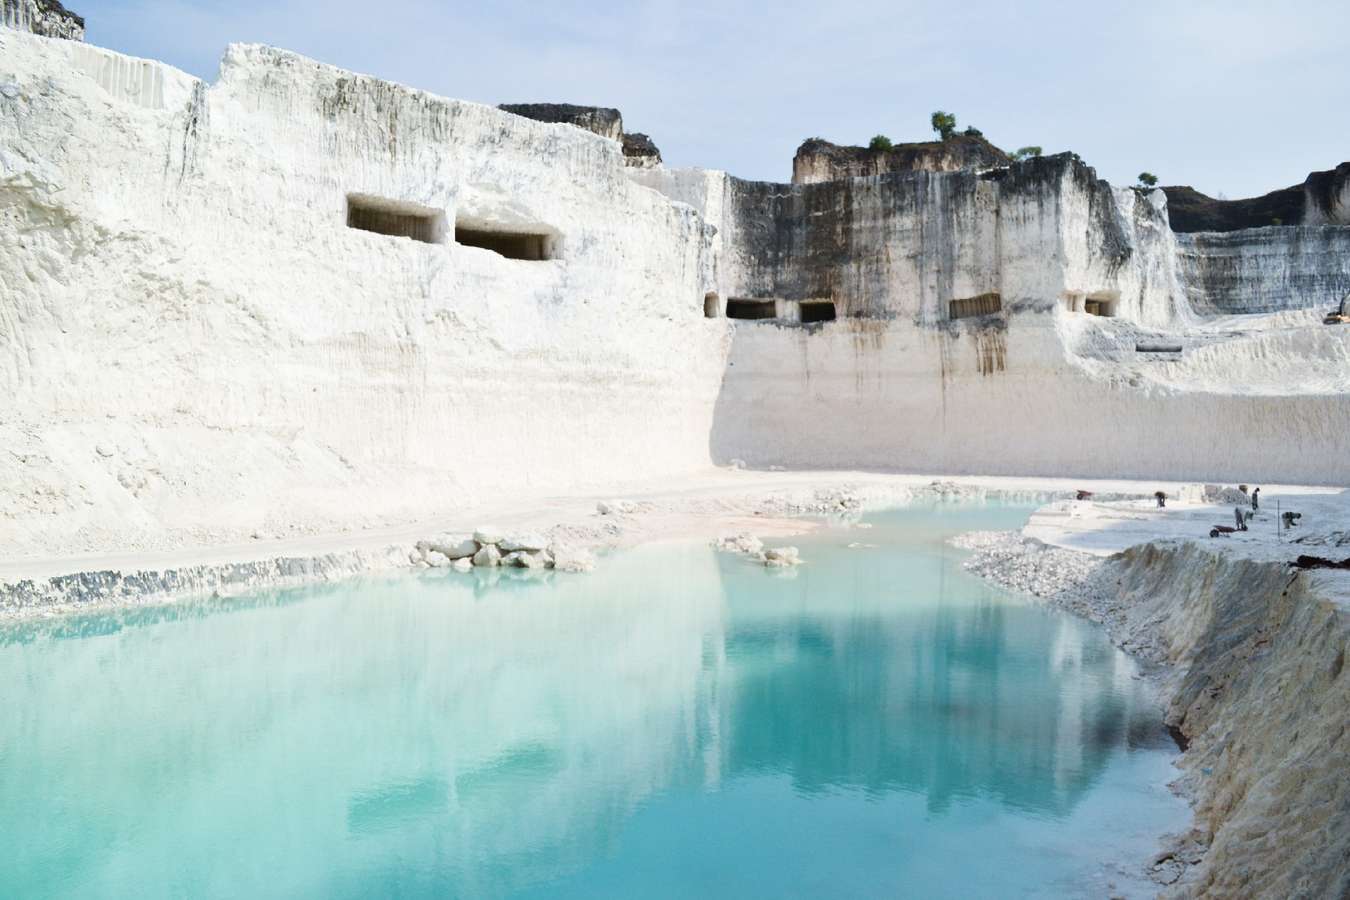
pixel 1252 657
pixel 195 347
pixel 1261 693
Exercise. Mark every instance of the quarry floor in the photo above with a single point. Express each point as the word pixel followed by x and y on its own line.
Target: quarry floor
pixel 720 501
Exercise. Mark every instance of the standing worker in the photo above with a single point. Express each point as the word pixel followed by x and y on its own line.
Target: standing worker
pixel 1256 499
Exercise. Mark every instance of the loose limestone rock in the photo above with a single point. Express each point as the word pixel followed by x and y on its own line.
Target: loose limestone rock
pixel 454 547
pixel 463 564
pixel 437 560
pixel 488 556
pixel 781 557
pixel 532 542
pixel 572 559
pixel 745 542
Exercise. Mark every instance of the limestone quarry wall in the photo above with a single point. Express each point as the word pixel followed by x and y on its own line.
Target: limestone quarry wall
pixel 1007 401
pixel 193 341
pixel 1042 233
pixel 1265 269
pixel 195 345
pixel 1037 387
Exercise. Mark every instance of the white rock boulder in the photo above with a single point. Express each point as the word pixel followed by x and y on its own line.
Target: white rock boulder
pixel 487 556
pixel 528 541
pixel 454 546
pixel 572 559
pixel 781 557
pixel 745 542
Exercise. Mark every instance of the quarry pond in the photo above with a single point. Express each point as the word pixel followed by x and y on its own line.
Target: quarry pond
pixel 680 723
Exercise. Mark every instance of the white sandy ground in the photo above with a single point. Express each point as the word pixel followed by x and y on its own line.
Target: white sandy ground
pixel 717 502
pixel 1059 553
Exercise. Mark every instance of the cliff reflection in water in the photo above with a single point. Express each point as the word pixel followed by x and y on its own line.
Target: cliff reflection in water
pixel 428 734
pixel 967 695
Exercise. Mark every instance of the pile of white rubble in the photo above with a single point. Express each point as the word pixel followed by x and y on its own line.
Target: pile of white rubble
pixel 490 547
pixel 751 546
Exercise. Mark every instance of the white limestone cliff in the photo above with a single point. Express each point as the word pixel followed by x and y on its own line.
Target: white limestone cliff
pixel 196 347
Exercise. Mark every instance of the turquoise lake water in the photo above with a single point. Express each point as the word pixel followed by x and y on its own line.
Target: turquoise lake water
pixel 681 723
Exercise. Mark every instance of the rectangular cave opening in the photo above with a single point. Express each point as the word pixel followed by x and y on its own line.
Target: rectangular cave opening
pixel 533 246
pixel 395 218
pixel 741 308
pixel 979 305
pixel 814 311
pixel 1096 306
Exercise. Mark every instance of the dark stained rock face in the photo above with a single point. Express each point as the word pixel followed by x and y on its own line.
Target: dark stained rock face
pixel 638 150
pixel 602 120
pixel 852 241
pixel 1261 270
pixel 819 160
pixel 45 17
pixel 1323 198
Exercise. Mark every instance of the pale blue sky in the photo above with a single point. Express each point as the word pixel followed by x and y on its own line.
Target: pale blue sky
pixel 1232 97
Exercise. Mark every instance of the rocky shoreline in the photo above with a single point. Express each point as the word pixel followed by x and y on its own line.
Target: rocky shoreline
pixel 1249 659
pixel 554 538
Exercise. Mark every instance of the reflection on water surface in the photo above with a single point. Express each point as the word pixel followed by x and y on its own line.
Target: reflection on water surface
pixel 679 723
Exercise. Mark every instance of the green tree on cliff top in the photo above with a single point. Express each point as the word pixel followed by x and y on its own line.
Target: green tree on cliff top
pixel 944 123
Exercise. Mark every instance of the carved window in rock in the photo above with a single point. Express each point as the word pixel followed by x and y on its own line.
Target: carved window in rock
pixel 969 307
pixel 512 243
pixel 816 311
pixel 395 218
pixel 742 308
